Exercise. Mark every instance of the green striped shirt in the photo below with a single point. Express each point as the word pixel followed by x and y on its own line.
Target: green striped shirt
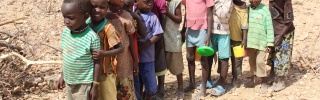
pixel 260 32
pixel 78 64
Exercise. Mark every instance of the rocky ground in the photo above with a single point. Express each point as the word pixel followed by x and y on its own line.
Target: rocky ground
pixel 41 25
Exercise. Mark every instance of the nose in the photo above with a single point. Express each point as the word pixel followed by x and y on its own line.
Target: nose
pixel 98 10
pixel 66 21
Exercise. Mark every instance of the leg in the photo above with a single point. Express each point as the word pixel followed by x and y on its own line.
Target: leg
pixel 138 83
pixel 174 62
pixel 161 86
pixel 191 67
pixel 180 91
pixel 261 70
pixel 160 69
pixel 148 76
pixel 205 75
pixel 252 62
pixel 224 71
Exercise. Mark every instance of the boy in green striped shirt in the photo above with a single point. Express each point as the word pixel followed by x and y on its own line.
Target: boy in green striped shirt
pixel 80 72
pixel 259 40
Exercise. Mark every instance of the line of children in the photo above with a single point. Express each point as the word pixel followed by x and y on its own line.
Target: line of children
pixel 100 70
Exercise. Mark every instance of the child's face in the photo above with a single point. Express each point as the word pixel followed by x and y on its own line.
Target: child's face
pixel 99 9
pixel 118 3
pixel 255 3
pixel 73 19
pixel 145 5
pixel 128 5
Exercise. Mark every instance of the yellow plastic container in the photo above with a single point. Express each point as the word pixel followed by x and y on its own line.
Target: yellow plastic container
pixel 238 51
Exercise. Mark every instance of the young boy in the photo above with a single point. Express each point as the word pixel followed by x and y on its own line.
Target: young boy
pixel 172 41
pixel 259 40
pixel 220 41
pixel 123 23
pixel 80 72
pixel 198 21
pixel 159 9
pixel 147 50
pixel 238 24
pixel 282 15
pixel 111 46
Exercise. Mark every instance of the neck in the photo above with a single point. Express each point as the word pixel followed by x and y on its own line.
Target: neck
pixel 114 9
pixel 80 29
pixel 93 22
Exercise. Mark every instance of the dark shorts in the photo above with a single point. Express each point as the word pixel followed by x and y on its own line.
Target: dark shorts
pixel 160 59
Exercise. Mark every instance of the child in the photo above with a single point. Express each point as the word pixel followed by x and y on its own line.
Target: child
pixel 172 40
pixel 147 50
pixel 80 72
pixel 111 46
pixel 259 40
pixel 198 21
pixel 159 9
pixel 220 41
pixel 238 24
pixel 123 23
pixel 282 14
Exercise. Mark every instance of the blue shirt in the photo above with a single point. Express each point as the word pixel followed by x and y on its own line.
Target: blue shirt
pixel 153 28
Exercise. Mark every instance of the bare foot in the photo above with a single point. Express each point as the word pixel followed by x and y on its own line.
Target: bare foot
pixel 180 93
pixel 264 88
pixel 160 94
pixel 199 95
pixel 249 84
pixel 235 84
pixel 189 88
pixel 278 87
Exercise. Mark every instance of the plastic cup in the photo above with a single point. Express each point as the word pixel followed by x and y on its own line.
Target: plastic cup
pixel 238 51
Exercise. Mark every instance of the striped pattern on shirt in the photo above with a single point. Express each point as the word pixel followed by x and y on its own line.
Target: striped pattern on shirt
pixel 260 33
pixel 78 65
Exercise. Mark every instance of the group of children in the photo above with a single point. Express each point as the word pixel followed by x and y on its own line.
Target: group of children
pixel 115 49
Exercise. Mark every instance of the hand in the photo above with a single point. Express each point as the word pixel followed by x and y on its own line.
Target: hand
pixel 278 40
pixel 60 83
pixel 137 12
pixel 135 68
pixel 207 41
pixel 97 54
pixel 269 49
pixel 244 44
pixel 93 95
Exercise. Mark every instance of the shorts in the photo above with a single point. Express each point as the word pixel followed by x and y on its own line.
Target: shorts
pixel 257 59
pixel 147 77
pixel 174 62
pixel 195 38
pixel 107 87
pixel 78 91
pixel 221 43
pixel 160 62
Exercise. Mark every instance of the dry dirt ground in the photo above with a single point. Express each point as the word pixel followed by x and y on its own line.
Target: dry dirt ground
pixel 43 24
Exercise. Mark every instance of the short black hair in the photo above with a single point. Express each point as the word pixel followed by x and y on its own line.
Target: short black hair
pixel 83 6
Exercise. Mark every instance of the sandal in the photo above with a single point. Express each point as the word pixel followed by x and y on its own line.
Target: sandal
pixel 217 91
pixel 208 85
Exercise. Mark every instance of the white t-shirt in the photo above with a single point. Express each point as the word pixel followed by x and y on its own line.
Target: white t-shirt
pixel 221 15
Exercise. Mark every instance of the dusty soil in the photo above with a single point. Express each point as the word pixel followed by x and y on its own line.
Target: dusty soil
pixel 43 24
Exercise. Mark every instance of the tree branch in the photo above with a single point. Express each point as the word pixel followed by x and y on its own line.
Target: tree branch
pixel 3 44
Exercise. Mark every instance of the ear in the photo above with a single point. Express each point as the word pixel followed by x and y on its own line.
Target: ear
pixel 86 16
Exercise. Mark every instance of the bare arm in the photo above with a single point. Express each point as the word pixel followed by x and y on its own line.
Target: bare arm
pixel 244 37
pixel 141 29
pixel 149 42
pixel 177 18
pixel 209 21
pixel 117 50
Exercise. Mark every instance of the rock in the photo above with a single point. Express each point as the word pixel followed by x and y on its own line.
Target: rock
pixel 37 80
pixel 51 81
pixel 17 90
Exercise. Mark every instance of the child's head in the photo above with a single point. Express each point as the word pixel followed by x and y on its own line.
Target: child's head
pixel 117 3
pixel 99 9
pixel 255 3
pixel 145 5
pixel 128 5
pixel 75 13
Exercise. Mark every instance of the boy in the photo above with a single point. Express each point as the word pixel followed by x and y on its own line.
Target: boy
pixel 172 40
pixel 123 23
pixel 80 72
pixel 198 21
pixel 111 46
pixel 259 40
pixel 159 9
pixel 220 41
pixel 282 15
pixel 147 50
pixel 238 24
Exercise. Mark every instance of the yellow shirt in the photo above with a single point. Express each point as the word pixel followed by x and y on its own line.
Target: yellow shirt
pixel 238 21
